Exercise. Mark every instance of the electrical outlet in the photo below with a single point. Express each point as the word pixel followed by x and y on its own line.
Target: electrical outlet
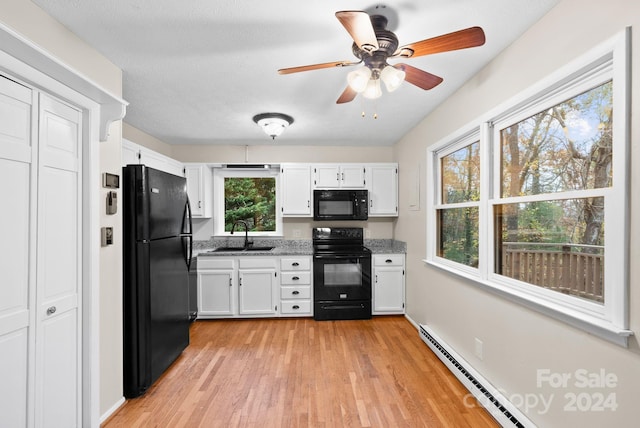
pixel 479 348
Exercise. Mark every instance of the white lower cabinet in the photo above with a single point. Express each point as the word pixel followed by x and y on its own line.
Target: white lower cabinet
pixel 257 286
pixel 296 286
pixel 237 287
pixel 254 286
pixel 217 287
pixel 388 284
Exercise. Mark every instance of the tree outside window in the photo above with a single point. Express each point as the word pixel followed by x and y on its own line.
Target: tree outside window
pixel 457 215
pixel 251 199
pixel 545 238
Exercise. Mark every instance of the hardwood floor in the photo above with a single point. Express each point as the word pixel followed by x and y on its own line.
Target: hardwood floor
pixel 304 373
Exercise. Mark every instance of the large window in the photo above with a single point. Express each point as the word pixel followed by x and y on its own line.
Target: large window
pixel 250 196
pixel 556 163
pixel 546 221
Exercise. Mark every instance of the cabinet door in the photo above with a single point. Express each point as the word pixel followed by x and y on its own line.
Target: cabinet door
pixel 257 292
pixel 216 292
pixel 194 189
pixel 199 189
pixel 296 190
pixel 326 176
pixel 130 153
pixel 383 190
pixel 388 293
pixel 352 176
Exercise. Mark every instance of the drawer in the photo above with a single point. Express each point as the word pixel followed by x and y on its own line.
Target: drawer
pixel 291 292
pixel 293 278
pixel 295 263
pixel 214 262
pixel 257 262
pixel 296 307
pixel 388 260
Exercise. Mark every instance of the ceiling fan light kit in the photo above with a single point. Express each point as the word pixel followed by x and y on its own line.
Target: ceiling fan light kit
pixel 392 78
pixel 359 78
pixel 374 44
pixel 273 124
pixel 372 91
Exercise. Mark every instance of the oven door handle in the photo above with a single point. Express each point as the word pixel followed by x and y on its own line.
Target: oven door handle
pixel 340 256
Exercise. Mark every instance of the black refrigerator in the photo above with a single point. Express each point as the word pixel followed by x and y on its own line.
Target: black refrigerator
pixel 157 252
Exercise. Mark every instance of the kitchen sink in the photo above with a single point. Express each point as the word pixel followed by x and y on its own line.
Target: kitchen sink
pixel 259 249
pixel 240 249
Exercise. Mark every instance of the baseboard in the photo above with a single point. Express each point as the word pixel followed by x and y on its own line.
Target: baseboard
pixel 111 411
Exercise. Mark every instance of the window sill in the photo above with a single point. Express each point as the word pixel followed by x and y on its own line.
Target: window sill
pixel 592 325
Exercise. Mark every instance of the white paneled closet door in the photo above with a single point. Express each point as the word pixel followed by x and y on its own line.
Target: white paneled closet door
pixel 17 158
pixel 40 260
pixel 58 332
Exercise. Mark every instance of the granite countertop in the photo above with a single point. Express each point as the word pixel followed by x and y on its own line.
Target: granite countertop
pixel 286 247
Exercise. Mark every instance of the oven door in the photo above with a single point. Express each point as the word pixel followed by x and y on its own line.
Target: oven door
pixel 341 277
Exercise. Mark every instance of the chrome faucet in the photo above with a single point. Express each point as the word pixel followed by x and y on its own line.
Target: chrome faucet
pixel 246 231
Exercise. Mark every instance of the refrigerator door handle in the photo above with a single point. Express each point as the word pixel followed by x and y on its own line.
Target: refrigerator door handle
pixel 189 251
pixel 187 209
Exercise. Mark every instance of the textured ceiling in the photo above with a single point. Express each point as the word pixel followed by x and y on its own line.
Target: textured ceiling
pixel 197 71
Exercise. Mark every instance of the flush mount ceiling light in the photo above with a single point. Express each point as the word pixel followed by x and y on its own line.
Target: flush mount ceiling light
pixel 273 123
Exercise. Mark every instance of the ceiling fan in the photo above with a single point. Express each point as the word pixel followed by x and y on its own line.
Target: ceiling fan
pixel 374 45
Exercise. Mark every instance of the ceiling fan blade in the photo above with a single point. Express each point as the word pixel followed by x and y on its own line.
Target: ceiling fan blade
pixel 317 66
pixel 358 24
pixel 462 39
pixel 418 77
pixel 347 95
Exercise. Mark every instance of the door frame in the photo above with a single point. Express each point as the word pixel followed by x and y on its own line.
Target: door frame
pixel 22 59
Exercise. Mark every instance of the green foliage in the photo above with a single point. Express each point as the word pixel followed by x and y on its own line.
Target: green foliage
pixel 252 200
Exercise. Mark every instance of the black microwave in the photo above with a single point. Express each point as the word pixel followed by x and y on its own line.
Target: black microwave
pixel 340 204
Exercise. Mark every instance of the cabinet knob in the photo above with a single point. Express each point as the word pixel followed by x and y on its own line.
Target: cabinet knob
pixel 295 264
pixel 295 278
pixel 296 307
pixel 388 261
pixel 295 292
pixel 52 310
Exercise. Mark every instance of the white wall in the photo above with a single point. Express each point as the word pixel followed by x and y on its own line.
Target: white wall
pixel 31 22
pixel 518 341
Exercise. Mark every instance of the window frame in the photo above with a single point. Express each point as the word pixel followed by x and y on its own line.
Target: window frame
pixel 469 138
pixel 609 320
pixel 219 174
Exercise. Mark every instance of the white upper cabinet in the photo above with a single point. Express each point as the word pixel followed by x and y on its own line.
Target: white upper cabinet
pixel 199 189
pixel 133 153
pixel 296 190
pixel 382 183
pixel 336 176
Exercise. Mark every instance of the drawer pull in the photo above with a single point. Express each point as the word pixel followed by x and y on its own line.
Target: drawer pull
pixel 296 307
pixel 388 261
pixel 295 264
pixel 51 310
pixel 295 278
pixel 295 292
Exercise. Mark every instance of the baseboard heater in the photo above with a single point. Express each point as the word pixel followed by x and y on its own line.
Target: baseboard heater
pixel 496 404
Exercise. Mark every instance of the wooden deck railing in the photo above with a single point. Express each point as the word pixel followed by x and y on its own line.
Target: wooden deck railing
pixel 572 269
